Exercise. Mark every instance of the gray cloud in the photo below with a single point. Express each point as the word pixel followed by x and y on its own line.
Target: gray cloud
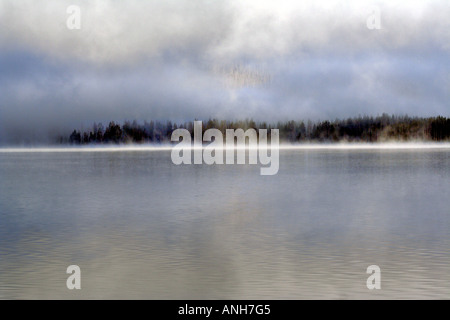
pixel 160 60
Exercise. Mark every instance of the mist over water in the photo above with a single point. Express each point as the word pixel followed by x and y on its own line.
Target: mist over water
pixel 76 190
pixel 283 146
pixel 140 227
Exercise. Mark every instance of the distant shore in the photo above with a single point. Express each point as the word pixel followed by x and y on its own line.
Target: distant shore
pixel 168 147
pixel 384 128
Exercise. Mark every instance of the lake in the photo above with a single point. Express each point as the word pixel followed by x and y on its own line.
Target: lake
pixel 141 227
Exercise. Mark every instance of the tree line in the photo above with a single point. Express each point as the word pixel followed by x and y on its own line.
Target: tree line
pixel 357 129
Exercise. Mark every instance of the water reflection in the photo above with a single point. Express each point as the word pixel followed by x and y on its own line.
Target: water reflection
pixel 141 227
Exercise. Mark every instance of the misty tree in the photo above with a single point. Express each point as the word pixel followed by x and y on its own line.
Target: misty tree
pixel 358 129
pixel 75 137
pixel 113 133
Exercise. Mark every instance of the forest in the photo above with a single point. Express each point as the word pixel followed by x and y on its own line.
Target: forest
pixel 382 128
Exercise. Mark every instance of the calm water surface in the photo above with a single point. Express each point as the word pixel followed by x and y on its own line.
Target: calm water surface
pixel 140 227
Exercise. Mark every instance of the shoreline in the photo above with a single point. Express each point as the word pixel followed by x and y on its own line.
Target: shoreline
pixel 300 146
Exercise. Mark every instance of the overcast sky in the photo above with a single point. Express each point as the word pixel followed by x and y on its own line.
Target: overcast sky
pixel 186 59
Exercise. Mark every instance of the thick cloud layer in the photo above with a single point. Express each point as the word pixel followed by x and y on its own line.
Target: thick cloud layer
pixel 183 59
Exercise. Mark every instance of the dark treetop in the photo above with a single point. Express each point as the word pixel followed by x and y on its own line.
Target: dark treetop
pixel 360 129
